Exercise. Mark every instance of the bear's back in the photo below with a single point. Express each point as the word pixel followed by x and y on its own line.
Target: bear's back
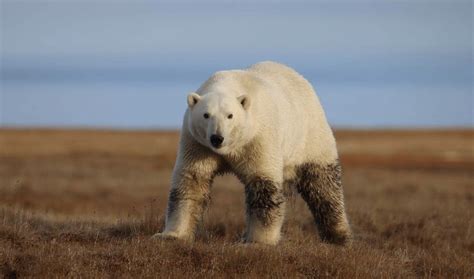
pixel 303 115
pixel 290 86
pixel 283 75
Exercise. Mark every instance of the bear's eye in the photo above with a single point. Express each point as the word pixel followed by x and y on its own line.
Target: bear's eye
pixel 230 116
pixel 206 115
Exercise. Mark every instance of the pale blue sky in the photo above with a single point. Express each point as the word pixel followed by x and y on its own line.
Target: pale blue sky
pixel 130 64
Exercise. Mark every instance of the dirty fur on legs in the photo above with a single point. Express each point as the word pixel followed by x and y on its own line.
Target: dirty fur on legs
pixel 321 188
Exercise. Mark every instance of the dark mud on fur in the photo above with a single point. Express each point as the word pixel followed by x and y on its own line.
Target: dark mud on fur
pixel 321 189
pixel 263 199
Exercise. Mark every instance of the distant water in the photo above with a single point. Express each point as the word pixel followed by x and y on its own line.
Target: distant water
pixel 161 105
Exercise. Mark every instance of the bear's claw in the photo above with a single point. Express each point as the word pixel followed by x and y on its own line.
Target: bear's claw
pixel 164 236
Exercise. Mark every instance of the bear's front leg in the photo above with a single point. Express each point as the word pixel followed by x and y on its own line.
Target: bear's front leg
pixel 187 201
pixel 265 210
pixel 190 191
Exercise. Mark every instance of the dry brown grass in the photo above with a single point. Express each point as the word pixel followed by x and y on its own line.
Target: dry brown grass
pixel 85 203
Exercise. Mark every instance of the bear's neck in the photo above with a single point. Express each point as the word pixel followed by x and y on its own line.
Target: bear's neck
pixel 240 159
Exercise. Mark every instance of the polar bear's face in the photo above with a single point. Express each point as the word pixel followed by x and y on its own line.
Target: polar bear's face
pixel 219 121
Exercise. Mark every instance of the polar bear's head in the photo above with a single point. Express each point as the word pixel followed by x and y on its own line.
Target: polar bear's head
pixel 219 121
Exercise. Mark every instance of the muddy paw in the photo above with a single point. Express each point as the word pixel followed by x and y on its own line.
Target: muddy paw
pixel 164 236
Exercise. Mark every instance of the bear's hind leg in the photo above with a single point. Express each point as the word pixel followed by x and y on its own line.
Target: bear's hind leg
pixel 265 211
pixel 321 188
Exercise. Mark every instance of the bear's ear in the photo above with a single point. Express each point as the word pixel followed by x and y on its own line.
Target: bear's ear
pixel 193 98
pixel 244 101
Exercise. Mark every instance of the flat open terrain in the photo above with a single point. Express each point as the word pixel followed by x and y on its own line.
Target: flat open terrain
pixel 85 203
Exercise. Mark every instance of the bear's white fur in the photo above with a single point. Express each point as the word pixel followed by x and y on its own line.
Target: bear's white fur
pixel 272 124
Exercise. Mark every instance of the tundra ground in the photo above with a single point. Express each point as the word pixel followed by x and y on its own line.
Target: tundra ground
pixel 85 203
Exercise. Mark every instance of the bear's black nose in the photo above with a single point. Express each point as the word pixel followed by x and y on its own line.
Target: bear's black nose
pixel 217 140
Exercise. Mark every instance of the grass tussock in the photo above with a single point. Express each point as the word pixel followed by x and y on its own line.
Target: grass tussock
pixel 84 204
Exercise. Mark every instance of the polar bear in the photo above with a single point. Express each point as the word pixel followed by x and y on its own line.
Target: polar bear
pixel 266 125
